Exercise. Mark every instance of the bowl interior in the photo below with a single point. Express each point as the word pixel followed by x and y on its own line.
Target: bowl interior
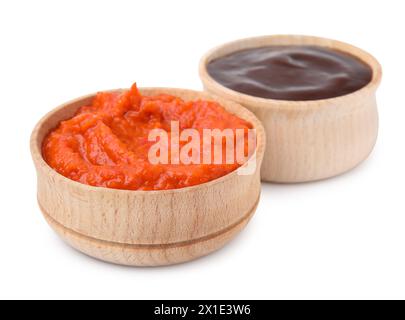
pixel 256 42
pixel 67 110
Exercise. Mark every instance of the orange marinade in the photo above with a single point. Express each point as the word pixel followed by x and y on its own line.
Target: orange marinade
pixel 106 143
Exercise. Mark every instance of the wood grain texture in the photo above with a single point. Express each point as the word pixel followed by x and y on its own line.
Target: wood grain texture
pixel 149 255
pixel 307 140
pixel 121 226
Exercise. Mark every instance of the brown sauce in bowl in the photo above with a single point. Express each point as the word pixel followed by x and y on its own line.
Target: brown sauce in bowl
pixel 293 72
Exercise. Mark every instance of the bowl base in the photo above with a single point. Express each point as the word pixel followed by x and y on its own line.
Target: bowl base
pixel 144 255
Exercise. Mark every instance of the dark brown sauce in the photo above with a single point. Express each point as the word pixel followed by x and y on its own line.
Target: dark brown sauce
pixel 291 72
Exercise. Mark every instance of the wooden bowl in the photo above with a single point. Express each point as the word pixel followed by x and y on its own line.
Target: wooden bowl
pixel 307 140
pixel 146 228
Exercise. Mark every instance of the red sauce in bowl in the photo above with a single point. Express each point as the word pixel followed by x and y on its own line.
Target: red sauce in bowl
pixel 106 143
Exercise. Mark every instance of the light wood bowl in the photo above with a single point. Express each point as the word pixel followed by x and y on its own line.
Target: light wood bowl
pixel 146 228
pixel 307 140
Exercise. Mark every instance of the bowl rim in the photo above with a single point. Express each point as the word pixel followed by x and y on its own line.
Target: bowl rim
pixel 288 39
pixel 39 161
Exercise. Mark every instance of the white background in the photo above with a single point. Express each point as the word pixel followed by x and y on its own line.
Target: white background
pixel 339 238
